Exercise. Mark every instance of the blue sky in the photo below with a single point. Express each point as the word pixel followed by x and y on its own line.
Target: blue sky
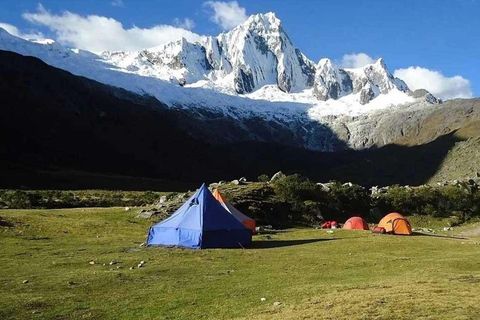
pixel 436 35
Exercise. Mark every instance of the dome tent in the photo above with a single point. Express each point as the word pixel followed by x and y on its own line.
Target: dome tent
pixel 200 223
pixel 356 223
pixel 395 223
pixel 245 220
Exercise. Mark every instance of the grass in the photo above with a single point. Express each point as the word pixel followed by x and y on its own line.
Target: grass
pixel 315 275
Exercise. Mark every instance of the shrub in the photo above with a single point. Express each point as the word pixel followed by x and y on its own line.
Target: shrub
pixel 295 188
pixel 263 178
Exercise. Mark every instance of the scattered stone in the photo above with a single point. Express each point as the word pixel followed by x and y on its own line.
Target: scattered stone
pixel 242 180
pixel 162 199
pixel 142 262
pixel 140 265
pixel 142 244
pixel 329 231
pixel 263 299
pixel 268 237
pixel 119 267
pixel 235 182
pixel 92 262
pixel 447 229
pixel 131 268
pixel 350 254
pixel 104 264
pixel 113 262
pixel 277 304
pixel 71 283
pixel 324 186
pixel 127 209
pixel 25 281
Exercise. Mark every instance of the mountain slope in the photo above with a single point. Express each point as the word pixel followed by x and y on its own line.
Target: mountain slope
pixel 51 119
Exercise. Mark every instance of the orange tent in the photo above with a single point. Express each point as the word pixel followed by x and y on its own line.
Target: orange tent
pixel 247 221
pixel 395 223
pixel 356 223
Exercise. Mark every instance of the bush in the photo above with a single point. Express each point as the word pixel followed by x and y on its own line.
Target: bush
pixel 263 178
pixel 295 188
pixel 51 199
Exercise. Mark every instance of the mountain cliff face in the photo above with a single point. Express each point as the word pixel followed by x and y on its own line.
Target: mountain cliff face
pixel 257 53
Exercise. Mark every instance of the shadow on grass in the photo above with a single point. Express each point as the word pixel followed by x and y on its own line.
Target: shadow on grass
pixel 267 244
pixel 420 234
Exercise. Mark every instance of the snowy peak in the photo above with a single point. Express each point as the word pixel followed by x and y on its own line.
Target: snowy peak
pixel 367 82
pixel 260 53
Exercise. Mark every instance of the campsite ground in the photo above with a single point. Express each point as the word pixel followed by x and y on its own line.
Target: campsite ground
pixel 313 274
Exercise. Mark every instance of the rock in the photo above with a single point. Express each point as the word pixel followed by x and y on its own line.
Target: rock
pixel 329 231
pixel 242 180
pixel 142 262
pixel 235 182
pixel 447 229
pixel 25 281
pixel 145 214
pixel 119 267
pixel 131 268
pixel 277 304
pixel 182 196
pixel 162 199
pixel 277 176
pixel 324 187
pixel 92 262
pixel 268 237
pixel 127 209
pixel 347 184
pixel 142 244
pixel 71 283
pixel 140 265
pixel 113 262
pixel 263 299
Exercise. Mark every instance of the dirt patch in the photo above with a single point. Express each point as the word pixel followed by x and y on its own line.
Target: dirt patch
pixel 474 231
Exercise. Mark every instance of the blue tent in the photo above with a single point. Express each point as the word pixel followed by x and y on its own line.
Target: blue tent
pixel 200 223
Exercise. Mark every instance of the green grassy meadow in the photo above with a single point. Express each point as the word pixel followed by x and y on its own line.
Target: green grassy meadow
pixel 313 274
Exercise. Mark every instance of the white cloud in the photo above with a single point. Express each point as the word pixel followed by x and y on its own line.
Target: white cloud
pixel 226 14
pixel 356 60
pixel 187 24
pixel 435 82
pixel 16 32
pixel 98 33
pixel 117 3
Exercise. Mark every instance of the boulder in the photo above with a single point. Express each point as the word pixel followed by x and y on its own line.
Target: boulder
pixel 277 176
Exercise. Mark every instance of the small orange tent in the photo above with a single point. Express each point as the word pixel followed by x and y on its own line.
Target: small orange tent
pixel 395 223
pixel 356 223
pixel 247 221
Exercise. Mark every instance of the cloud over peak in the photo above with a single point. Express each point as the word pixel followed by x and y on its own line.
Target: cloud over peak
pixel 227 15
pixel 435 82
pixel 356 60
pixel 98 33
pixel 16 32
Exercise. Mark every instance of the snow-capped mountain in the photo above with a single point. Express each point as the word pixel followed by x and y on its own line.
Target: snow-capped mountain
pixel 255 54
pixel 251 72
